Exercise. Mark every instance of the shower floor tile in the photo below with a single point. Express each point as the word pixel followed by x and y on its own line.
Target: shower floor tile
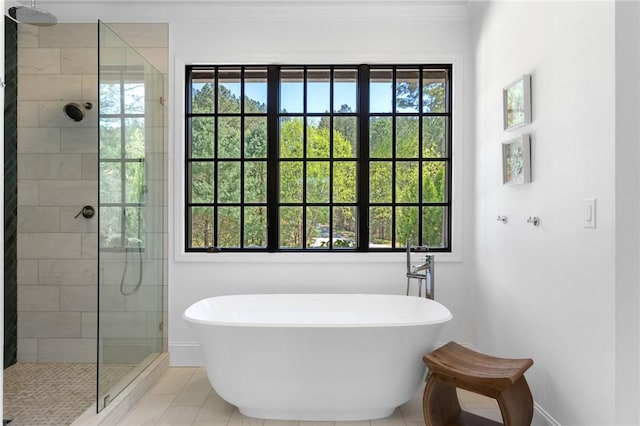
pixel 184 397
pixel 53 394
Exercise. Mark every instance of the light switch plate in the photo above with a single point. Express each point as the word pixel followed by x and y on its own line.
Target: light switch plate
pixel 590 213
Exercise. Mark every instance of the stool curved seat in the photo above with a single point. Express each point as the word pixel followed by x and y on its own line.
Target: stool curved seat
pixel 454 366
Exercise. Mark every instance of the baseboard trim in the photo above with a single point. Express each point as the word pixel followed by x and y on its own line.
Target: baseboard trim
pixel 185 354
pixel 542 418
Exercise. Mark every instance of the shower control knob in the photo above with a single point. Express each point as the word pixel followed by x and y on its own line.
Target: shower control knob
pixel 87 211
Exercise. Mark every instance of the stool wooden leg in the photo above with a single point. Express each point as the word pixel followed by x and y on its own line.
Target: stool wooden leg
pixel 440 402
pixel 516 404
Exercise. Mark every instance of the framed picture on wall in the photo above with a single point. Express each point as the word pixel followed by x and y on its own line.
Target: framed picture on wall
pixel 516 160
pixel 516 103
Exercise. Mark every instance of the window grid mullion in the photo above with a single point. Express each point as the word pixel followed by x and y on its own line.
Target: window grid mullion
pixel 216 167
pixel 331 159
pixel 123 169
pixel 242 158
pixel 394 164
pixel 305 84
pixel 273 122
pixel 420 152
pixel 363 158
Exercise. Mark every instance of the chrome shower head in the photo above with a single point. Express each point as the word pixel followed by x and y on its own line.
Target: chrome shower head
pixel 32 15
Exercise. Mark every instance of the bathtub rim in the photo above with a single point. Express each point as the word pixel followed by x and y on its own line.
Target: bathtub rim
pixel 193 320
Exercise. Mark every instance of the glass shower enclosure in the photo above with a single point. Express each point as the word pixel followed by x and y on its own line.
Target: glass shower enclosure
pixel 131 214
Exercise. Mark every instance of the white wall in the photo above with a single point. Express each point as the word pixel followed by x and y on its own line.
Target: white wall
pixel 316 34
pixel 627 212
pixel 550 292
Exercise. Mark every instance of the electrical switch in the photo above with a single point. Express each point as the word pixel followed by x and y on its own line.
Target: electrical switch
pixel 590 213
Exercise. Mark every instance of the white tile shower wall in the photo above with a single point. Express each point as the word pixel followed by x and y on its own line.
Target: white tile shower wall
pixel 58 174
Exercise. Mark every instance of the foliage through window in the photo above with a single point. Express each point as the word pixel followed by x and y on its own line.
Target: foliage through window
pixel 318 158
pixel 122 161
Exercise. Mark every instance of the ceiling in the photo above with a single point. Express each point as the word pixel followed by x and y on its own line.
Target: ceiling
pixel 198 10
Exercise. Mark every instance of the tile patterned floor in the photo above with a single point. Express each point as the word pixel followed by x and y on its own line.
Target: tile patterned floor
pixel 183 397
pixel 53 394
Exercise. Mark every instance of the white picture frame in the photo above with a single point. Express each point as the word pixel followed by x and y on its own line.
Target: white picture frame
pixel 516 103
pixel 516 160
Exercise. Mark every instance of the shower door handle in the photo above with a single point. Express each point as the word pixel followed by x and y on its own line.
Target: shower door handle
pixel 87 212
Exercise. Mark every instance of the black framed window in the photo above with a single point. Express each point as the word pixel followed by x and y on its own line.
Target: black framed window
pixel 318 158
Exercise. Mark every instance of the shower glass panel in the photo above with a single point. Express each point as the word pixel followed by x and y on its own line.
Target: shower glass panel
pixel 130 239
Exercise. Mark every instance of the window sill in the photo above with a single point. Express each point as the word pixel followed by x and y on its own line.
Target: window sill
pixel 398 257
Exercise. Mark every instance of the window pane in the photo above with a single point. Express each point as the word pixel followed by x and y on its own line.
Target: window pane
pixel 434 137
pixel 318 137
pixel 202 137
pixel 290 220
pixel 318 91
pixel 134 183
pixel 201 226
pixel 344 182
pixel 291 91
pixel 255 137
pixel 134 227
pixel 134 98
pixel 407 137
pixel 318 182
pixel 434 91
pixel 381 91
pixel 202 84
pixel 317 227
pixel 255 182
pixel 380 182
pixel 110 138
pixel 255 91
pixel 229 226
pixel 228 91
pixel 406 225
pixel 380 231
pixel 434 178
pixel 110 182
pixel 228 182
pixel 345 227
pixel 345 137
pixel 110 227
pixel 407 182
pixel 407 91
pixel 434 226
pixel 291 181
pixel 110 98
pixel 345 91
pixel 202 182
pixel 291 137
pixel 255 227
pixel 134 137
pixel 229 137
pixel 380 137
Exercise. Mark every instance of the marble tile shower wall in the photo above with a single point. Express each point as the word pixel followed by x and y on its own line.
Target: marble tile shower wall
pixel 57 175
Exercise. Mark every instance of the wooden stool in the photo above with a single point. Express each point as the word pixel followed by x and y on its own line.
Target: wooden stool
pixel 454 366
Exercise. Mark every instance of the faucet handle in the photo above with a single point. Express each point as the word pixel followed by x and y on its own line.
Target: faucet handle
pixel 86 212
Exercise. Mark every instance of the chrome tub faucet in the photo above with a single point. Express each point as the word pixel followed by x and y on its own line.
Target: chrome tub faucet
pixel 423 272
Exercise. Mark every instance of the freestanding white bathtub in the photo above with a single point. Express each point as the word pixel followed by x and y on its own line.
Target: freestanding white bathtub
pixel 316 356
